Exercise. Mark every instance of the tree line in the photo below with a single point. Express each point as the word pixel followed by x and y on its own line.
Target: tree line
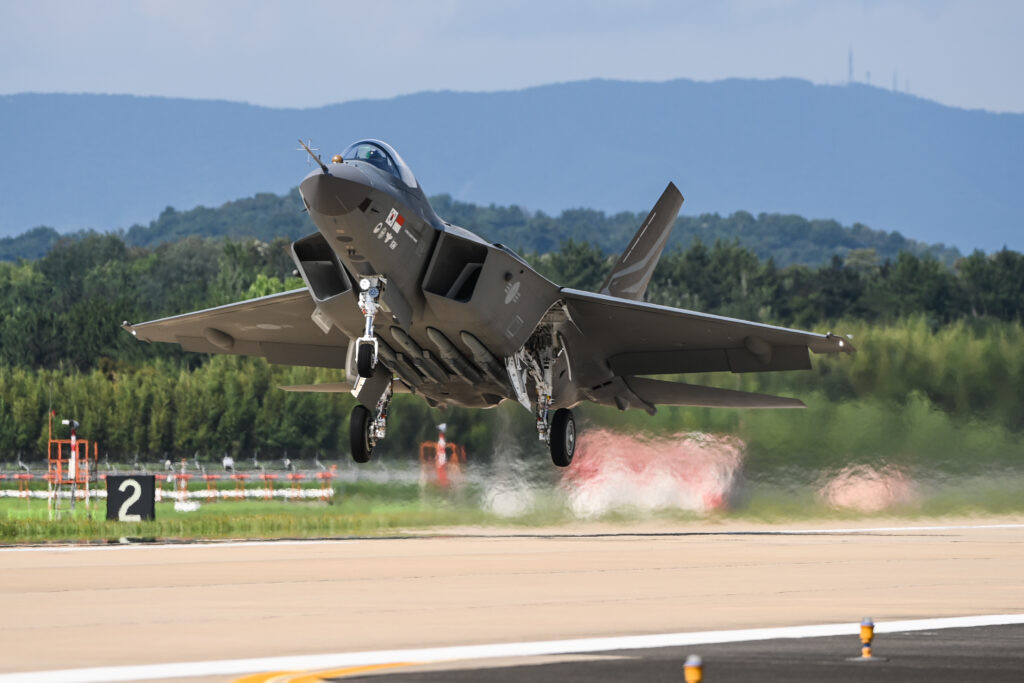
pixel 949 336
pixel 65 309
pixel 785 239
pixel 912 395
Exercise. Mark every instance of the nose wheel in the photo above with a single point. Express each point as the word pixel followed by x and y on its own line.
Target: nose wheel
pixel 365 360
pixel 562 437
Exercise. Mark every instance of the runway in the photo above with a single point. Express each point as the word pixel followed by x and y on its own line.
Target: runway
pixel 144 605
pixel 991 654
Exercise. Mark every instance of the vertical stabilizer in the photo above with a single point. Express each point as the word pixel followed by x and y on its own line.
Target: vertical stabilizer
pixel 633 270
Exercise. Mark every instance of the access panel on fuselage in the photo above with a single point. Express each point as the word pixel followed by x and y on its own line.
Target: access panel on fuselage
pixel 478 288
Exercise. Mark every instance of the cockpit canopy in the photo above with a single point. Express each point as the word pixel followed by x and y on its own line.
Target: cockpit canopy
pixel 383 156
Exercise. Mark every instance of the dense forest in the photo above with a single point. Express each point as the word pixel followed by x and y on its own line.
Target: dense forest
pixel 65 309
pixel 912 395
pixel 785 239
pixel 938 349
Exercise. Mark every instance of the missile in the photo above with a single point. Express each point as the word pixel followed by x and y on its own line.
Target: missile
pixel 484 358
pixel 420 358
pixel 452 356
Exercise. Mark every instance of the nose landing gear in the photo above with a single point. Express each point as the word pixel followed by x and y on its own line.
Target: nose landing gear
pixel 366 429
pixel 370 289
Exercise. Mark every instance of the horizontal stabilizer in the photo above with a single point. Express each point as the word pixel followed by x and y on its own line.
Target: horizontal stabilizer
pixel 336 388
pixel 659 392
pixel 633 270
pixel 325 388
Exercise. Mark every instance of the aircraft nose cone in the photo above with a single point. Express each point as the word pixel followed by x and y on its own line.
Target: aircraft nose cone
pixel 335 194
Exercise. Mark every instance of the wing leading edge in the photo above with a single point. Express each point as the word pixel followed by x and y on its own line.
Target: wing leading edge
pixel 278 327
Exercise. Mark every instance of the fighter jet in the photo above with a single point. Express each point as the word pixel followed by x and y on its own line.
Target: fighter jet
pixel 404 301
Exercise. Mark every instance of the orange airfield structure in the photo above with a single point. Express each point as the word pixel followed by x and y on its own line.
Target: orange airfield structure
pixel 73 474
pixel 442 457
pixel 76 470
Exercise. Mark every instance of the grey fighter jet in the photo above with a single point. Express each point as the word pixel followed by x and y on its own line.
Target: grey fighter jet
pixel 404 301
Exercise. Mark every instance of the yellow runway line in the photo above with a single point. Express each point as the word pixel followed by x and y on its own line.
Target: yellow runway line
pixel 266 677
pixel 317 676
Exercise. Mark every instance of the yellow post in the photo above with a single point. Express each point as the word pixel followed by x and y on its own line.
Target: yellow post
pixel 694 669
pixel 867 634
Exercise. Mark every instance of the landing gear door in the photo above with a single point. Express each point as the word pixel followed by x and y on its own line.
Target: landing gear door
pixel 351 371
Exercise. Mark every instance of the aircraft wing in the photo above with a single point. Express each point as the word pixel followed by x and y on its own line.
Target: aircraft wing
pixel 278 327
pixel 637 338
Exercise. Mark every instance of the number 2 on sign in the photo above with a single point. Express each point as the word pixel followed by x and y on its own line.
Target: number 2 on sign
pixel 122 512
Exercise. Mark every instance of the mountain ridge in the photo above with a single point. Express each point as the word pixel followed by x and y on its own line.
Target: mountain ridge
pixel 850 152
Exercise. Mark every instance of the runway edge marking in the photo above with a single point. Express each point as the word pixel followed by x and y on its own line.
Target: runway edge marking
pixel 229 667
pixel 338 541
pixel 57 548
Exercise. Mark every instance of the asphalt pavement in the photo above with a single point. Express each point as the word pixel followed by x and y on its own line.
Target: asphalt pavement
pixel 993 654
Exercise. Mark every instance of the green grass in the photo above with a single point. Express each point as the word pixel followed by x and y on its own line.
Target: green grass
pixel 27 521
pixel 372 509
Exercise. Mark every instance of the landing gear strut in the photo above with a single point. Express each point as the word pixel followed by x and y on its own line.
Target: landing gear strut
pixel 370 289
pixel 366 429
pixel 535 361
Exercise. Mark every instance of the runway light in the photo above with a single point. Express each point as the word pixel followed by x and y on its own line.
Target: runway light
pixel 867 634
pixel 694 669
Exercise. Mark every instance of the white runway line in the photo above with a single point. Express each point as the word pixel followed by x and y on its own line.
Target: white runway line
pixel 311 542
pixel 871 530
pixel 188 544
pixel 229 667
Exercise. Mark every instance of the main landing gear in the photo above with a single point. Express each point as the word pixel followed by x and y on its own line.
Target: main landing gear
pixel 366 429
pixel 535 361
pixel 562 437
pixel 370 289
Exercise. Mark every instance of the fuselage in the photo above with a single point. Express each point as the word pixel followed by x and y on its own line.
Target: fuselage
pixel 455 306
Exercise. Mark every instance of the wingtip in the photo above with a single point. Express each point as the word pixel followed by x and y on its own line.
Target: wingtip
pixel 842 344
pixel 671 187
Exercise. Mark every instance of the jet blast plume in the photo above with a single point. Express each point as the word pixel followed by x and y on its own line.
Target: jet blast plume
pixel 869 489
pixel 692 472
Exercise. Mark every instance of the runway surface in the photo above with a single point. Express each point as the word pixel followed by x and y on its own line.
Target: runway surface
pixel 991 654
pixel 144 605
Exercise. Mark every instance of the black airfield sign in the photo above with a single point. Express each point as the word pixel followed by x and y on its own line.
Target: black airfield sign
pixel 131 497
pixel 405 301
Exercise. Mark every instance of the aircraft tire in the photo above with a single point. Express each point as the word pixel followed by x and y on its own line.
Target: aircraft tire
pixel 563 437
pixel 364 360
pixel 359 434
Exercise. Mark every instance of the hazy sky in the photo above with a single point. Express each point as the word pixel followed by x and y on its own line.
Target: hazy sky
pixel 300 54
